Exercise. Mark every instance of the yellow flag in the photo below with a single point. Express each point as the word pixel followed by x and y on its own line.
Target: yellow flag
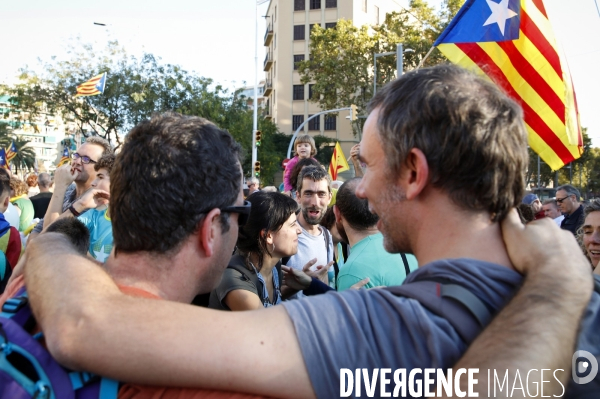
pixel 338 162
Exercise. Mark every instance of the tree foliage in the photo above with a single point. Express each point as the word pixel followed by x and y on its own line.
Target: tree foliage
pixel 341 58
pixel 135 88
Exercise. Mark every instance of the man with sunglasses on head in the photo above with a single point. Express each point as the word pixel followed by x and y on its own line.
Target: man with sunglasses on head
pixel 567 198
pixel 71 181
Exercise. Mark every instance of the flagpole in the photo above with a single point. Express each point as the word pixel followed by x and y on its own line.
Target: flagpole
pixel 424 58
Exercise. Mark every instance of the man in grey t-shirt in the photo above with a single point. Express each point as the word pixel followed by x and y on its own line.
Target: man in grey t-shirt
pixel 314 195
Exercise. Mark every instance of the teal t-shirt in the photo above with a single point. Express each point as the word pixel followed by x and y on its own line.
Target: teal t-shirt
pixel 368 258
pixel 101 237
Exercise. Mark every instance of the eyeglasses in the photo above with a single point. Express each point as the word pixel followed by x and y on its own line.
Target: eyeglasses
pixel 242 210
pixel 560 200
pixel 84 158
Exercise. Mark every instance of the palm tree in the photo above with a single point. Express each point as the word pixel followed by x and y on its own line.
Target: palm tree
pixel 25 158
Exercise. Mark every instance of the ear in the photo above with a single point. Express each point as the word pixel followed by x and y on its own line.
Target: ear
pixel 210 231
pixel 415 174
pixel 337 213
pixel 6 201
pixel 268 235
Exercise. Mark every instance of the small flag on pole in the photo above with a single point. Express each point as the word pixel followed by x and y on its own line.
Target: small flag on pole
pixel 65 157
pixel 92 87
pixel 11 152
pixel 338 162
pixel 3 163
pixel 512 43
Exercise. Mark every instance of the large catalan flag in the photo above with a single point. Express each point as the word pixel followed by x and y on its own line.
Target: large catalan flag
pixel 512 43
pixel 338 162
pixel 66 157
pixel 3 162
pixel 92 87
pixel 11 152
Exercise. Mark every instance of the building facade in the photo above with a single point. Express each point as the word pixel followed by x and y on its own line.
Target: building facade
pixel 286 42
pixel 44 133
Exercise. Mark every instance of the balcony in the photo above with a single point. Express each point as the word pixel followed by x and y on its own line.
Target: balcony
pixel 268 35
pixel 268 88
pixel 268 62
pixel 267 114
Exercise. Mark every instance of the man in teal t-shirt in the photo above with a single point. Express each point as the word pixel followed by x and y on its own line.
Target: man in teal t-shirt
pixel 367 258
pixel 92 210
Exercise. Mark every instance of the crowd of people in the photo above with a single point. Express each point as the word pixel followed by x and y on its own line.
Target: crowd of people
pixel 168 298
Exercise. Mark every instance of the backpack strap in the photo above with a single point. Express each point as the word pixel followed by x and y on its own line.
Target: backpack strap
pixel 459 306
pixel 405 261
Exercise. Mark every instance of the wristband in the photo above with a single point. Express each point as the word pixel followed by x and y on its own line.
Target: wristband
pixel 74 211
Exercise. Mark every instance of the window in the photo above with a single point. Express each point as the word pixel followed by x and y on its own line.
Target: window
pixel 310 91
pixel 275 15
pixel 314 124
pixel 297 121
pixel 298 92
pixel 298 32
pixel 297 58
pixel 330 3
pixel 299 5
pixel 376 15
pixel 330 122
pixel 364 5
pixel 315 4
pixel 330 25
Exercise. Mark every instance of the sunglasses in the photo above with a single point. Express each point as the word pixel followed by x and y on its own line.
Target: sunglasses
pixel 560 200
pixel 84 158
pixel 242 210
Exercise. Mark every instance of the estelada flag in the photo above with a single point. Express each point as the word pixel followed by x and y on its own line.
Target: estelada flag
pixel 11 152
pixel 92 87
pixel 65 157
pixel 512 43
pixel 338 162
pixel 3 162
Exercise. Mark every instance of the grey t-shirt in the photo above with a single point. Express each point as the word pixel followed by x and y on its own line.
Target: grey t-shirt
pixel 310 247
pixel 376 329
pixel 70 197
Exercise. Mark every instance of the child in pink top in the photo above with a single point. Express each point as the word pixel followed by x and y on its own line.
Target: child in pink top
pixel 304 147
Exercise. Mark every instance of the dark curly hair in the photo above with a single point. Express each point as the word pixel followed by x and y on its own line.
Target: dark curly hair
pixel 298 167
pixel 171 171
pixel 106 161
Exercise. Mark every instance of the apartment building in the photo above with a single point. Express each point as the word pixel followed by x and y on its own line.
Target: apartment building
pixel 44 133
pixel 287 42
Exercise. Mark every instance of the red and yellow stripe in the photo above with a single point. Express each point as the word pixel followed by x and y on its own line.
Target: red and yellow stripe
pixel 531 71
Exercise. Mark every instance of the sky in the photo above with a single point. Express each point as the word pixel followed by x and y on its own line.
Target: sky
pixel 216 39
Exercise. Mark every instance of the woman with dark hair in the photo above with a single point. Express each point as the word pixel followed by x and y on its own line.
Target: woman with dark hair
pixel 252 279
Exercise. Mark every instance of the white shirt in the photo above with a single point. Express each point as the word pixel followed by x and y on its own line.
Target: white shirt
pixel 559 220
pixel 12 215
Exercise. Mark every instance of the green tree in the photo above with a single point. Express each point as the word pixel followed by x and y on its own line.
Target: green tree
pixel 340 66
pixel 341 61
pixel 136 88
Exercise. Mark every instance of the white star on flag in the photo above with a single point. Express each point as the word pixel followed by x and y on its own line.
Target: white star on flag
pixel 500 13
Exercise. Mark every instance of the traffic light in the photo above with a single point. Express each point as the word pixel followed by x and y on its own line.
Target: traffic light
pixel 257 168
pixel 257 137
pixel 353 112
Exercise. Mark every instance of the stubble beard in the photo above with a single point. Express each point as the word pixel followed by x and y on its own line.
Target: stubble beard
pixel 395 239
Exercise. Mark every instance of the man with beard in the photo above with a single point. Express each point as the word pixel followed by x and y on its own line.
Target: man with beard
pixel 367 257
pixel 314 195
pixel 71 181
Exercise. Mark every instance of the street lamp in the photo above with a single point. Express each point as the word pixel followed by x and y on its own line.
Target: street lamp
pixel 399 62
pixel 255 107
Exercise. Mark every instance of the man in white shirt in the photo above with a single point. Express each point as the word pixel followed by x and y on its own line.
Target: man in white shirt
pixel 550 209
